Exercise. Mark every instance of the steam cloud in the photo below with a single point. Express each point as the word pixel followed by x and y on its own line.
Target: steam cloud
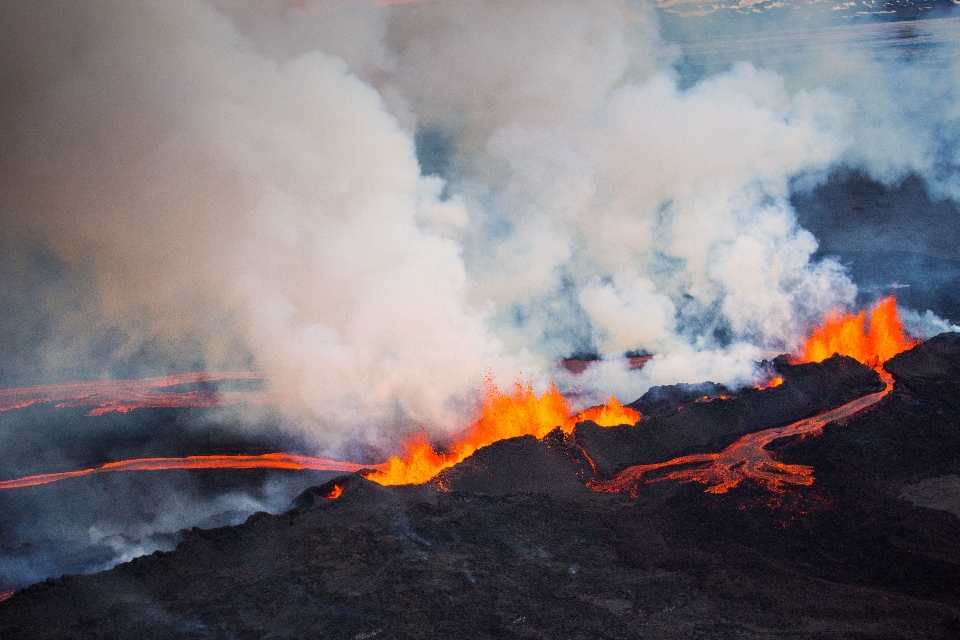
pixel 377 205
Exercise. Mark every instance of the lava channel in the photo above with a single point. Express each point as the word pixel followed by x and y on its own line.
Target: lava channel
pixel 126 395
pixel 746 458
pixel 519 413
pixel 287 461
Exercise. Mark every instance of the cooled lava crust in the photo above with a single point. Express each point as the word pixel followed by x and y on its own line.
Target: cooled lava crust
pixel 511 543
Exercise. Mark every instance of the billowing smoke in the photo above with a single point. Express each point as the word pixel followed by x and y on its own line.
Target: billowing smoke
pixel 378 205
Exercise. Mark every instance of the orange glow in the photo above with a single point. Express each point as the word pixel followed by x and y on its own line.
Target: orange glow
pixel 746 458
pixel 612 414
pixel 771 383
pixel 520 413
pixel 335 493
pixel 5 595
pixel 125 395
pixel 847 335
pixel 264 461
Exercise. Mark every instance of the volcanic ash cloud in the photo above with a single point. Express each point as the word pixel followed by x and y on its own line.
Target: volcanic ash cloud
pixel 246 173
pixel 200 179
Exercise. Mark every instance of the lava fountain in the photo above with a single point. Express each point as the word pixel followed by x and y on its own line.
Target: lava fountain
pixel 847 335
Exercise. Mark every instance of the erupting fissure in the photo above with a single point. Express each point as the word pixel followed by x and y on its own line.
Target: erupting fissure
pixel 503 415
pixel 519 413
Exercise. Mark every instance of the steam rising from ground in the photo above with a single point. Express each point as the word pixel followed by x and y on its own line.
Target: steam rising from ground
pixel 379 204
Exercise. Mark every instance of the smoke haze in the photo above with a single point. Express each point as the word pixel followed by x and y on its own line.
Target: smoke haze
pixel 378 205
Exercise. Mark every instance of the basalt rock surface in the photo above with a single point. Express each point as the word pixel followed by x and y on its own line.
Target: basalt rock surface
pixel 498 549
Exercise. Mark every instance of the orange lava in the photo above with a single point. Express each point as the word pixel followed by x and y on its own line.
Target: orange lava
pixel 612 414
pixel 5 595
pixel 125 395
pixel 264 461
pixel 335 493
pixel 776 381
pixel 504 416
pixel 848 336
pixel 746 458
pixel 519 413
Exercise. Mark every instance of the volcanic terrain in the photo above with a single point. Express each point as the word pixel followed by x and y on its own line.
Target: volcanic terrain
pixel 512 543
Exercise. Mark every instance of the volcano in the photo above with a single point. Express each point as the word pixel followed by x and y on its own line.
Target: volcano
pixel 511 542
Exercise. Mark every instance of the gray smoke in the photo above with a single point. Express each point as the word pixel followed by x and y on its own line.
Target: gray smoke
pixel 378 205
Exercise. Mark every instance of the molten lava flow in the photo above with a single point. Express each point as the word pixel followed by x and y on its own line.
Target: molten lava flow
pixel 520 413
pixel 126 395
pixel 612 414
pixel 264 461
pixel 847 335
pixel 504 416
pixel 5 595
pixel 746 458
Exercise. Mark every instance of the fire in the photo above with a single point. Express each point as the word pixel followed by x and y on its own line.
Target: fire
pixel 6 595
pixel 746 458
pixel 847 336
pixel 519 413
pixel 776 381
pixel 612 414
pixel 335 493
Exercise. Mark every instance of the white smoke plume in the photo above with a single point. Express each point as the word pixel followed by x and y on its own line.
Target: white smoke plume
pixel 246 173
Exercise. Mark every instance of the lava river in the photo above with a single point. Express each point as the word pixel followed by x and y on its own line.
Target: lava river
pixel 504 415
pixel 748 457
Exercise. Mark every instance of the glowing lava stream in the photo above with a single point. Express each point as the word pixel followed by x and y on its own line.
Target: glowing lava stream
pixel 264 461
pixel 125 395
pixel 504 416
pixel 748 457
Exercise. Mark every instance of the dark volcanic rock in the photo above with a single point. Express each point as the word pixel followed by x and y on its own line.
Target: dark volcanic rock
pixel 663 401
pixel 695 426
pixel 525 465
pixel 497 555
